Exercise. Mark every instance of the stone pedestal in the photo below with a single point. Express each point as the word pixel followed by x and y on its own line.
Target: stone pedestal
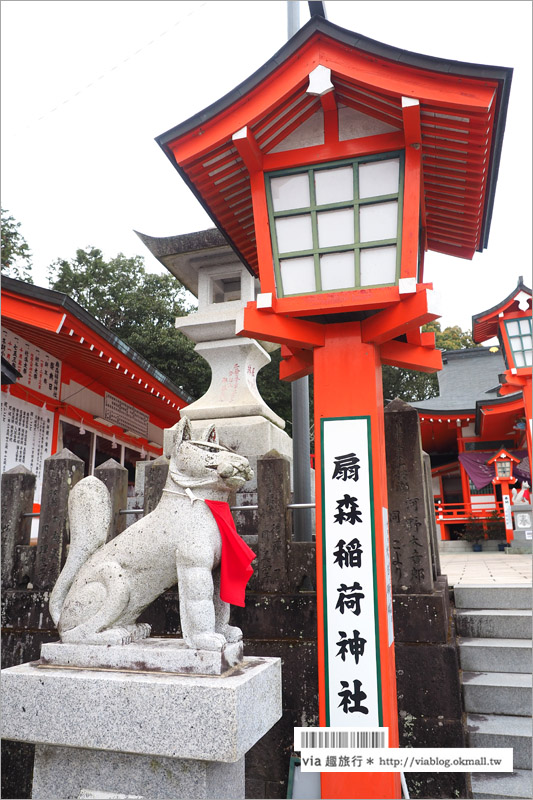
pixel 523 529
pixel 521 543
pixel 148 734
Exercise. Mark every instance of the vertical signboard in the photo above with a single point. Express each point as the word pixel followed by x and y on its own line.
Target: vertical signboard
pixel 507 510
pixel 26 437
pixel 39 369
pixel 353 691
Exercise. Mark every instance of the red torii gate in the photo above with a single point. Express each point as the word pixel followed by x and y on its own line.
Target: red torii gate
pixel 331 171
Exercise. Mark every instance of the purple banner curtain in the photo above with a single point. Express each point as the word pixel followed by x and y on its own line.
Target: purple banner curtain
pixel 481 474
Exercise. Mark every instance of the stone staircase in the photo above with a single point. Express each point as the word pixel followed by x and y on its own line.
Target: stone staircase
pixel 447 546
pixel 495 647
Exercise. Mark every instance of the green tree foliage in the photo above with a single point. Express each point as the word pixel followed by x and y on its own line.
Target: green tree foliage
pixel 139 307
pixel 413 386
pixel 408 385
pixel 451 338
pixel 16 255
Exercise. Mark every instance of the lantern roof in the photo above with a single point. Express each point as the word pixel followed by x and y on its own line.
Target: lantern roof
pixel 463 110
pixel 503 455
pixel 485 324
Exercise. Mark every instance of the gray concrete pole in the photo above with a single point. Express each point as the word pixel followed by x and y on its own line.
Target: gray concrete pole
pixel 300 399
pixel 293 17
pixel 303 519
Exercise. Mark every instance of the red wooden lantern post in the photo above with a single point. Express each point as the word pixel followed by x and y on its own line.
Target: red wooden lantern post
pixel 331 170
pixel 503 466
pixel 510 321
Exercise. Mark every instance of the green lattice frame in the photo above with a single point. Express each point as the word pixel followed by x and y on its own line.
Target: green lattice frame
pixel 313 209
pixel 518 336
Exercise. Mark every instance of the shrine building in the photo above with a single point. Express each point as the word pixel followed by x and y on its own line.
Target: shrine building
pixel 67 381
pixel 484 406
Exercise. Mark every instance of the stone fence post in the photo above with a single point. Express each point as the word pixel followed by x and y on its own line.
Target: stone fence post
pixel 273 517
pixel 430 708
pixel 62 471
pixel 155 477
pixel 18 486
pixel 115 479
pixel 411 564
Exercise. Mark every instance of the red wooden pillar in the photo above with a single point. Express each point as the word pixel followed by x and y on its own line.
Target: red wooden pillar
pixel 348 386
pixel 528 403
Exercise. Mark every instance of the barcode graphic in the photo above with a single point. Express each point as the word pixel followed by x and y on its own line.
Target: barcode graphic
pixel 345 739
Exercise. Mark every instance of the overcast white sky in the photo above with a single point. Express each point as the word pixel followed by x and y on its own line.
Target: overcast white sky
pixel 86 86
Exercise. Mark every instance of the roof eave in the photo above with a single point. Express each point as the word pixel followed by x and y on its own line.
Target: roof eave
pixel 351 39
pixel 71 307
pixel 520 287
pixel 317 24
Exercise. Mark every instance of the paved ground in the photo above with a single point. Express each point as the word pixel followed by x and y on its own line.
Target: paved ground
pixel 486 568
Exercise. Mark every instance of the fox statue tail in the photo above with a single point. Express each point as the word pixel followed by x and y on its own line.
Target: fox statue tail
pixel 89 515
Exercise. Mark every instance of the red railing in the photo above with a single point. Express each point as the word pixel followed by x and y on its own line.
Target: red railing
pixel 461 512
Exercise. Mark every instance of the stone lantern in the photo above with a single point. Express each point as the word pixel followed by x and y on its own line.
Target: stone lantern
pixel 208 267
pixel 331 171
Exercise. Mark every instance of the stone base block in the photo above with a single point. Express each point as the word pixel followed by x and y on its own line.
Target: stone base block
pixel 438 732
pixel 422 617
pixel 521 543
pixel 69 772
pixel 428 680
pixel 215 718
pixel 148 655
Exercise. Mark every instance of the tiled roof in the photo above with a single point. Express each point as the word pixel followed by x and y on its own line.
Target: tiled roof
pixel 467 376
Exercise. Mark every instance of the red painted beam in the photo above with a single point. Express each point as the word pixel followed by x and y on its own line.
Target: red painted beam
pixel 410 356
pixel 297 364
pixel 421 338
pixel 411 120
pixel 275 328
pixel 416 310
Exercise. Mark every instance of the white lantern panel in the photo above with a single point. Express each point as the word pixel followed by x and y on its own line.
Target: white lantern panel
pixel 527 356
pixel 298 275
pixel 526 342
pixel 333 185
pixel 290 191
pixel 378 221
pixel 525 326
pixel 337 271
pixel 335 227
pixel 519 359
pixel 294 233
pixel 379 177
pixel 378 266
pixel 513 329
pixel 516 344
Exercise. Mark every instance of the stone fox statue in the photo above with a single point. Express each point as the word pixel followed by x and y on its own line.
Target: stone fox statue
pixel 103 588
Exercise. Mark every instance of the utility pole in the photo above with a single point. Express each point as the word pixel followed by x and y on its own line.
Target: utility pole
pixel 301 461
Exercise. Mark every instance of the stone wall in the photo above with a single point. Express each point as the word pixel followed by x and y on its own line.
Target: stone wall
pixel 279 620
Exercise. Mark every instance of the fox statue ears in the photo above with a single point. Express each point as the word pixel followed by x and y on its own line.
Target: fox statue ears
pixel 182 432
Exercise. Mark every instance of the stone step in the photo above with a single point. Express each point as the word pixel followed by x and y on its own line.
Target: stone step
pixel 459 546
pixel 495 655
pixel 503 785
pixel 498 730
pixel 493 623
pixel 494 596
pixel 497 693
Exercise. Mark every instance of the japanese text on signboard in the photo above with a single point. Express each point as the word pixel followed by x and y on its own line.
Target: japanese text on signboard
pixel 350 606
